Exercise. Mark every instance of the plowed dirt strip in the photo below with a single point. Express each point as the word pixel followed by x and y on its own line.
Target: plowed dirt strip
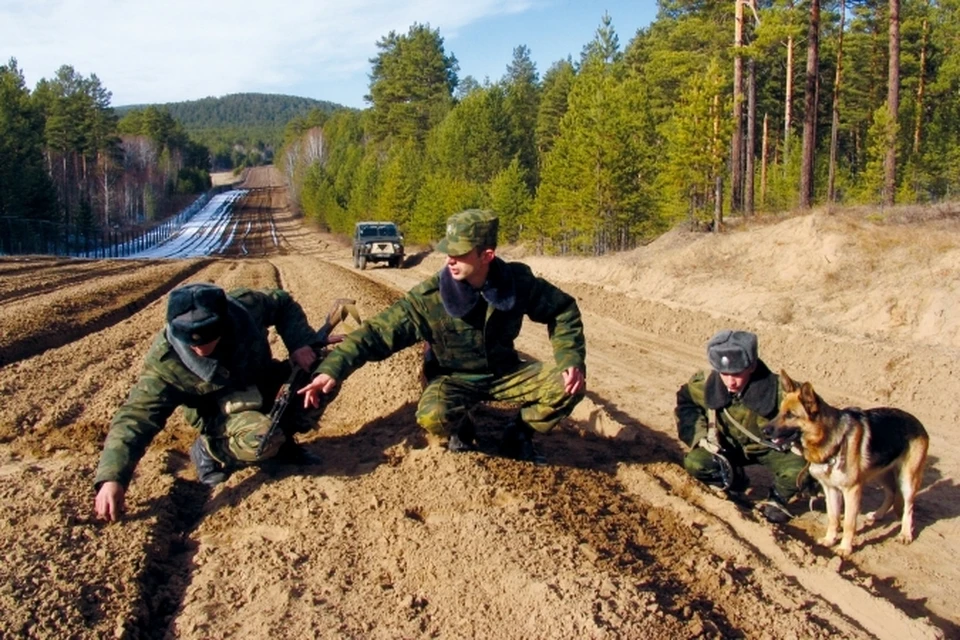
pixel 47 276
pixel 97 295
pixel 388 538
pixel 116 581
pixel 414 552
pixel 79 385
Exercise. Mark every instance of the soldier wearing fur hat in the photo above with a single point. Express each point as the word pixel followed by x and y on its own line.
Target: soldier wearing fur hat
pixel 469 314
pixel 720 415
pixel 212 358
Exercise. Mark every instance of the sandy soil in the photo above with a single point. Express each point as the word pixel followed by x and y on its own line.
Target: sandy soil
pixel 391 538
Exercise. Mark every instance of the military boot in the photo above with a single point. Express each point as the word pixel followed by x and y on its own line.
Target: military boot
pixel 517 443
pixel 465 439
pixel 774 508
pixel 209 471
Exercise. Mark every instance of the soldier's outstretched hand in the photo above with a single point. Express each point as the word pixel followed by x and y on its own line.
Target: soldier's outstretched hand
pixel 311 392
pixel 574 380
pixel 109 502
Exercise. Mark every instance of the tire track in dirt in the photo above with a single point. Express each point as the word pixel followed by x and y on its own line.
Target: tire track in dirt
pixel 787 560
pixel 47 279
pixel 103 303
pixel 64 396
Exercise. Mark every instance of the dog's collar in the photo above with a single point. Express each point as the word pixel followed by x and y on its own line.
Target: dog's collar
pixel 846 424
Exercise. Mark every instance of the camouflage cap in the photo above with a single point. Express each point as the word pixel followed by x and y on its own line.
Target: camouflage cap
pixel 196 312
pixel 732 351
pixel 469 229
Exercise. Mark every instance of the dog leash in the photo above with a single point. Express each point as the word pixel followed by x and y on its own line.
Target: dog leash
pixel 744 431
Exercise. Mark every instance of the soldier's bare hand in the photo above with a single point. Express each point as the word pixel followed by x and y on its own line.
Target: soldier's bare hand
pixel 109 502
pixel 573 380
pixel 304 357
pixel 311 392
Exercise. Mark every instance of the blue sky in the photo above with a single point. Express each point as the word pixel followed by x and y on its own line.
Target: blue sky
pixel 149 51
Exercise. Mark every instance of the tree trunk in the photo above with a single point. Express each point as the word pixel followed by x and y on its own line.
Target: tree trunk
pixel 763 160
pixel 751 137
pixel 718 177
pixel 835 122
pixel 810 107
pixel 893 104
pixel 788 99
pixel 736 145
pixel 918 122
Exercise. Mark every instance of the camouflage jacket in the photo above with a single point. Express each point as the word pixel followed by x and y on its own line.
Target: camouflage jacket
pixel 166 383
pixel 705 399
pixel 481 341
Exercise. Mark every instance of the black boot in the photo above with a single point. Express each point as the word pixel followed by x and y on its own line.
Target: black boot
pixel 209 471
pixel 774 508
pixel 465 439
pixel 517 443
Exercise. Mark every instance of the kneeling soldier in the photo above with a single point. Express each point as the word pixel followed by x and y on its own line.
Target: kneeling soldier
pixel 469 315
pixel 213 359
pixel 720 416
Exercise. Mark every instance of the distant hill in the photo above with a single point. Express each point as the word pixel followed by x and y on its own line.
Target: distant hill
pixel 241 129
pixel 238 110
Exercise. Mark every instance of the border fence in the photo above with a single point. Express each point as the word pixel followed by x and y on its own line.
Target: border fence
pixel 19 236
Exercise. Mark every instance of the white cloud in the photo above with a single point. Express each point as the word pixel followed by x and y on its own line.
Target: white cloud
pixel 149 51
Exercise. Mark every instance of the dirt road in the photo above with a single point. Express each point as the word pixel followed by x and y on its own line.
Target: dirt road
pixel 391 538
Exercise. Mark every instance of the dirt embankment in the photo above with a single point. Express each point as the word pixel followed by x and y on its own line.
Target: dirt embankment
pixel 391 538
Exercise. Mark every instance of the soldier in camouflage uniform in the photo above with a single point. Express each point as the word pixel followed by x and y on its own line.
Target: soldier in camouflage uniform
pixel 720 416
pixel 213 359
pixel 469 314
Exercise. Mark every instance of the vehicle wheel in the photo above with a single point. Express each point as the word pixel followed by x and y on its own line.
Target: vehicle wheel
pixel 356 262
pixel 362 263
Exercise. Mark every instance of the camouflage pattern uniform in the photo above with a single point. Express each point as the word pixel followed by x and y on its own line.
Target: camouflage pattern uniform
pixel 475 358
pixel 229 409
pixel 705 399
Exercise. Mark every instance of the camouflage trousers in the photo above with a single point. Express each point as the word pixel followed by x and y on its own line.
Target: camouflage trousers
pixel 786 467
pixel 233 437
pixel 538 390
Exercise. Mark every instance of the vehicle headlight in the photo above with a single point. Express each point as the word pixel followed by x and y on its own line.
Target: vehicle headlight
pixel 396 247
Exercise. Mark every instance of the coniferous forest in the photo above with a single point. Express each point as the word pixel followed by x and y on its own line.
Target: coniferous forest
pixel 71 164
pixel 716 109
pixel 241 129
pixel 67 159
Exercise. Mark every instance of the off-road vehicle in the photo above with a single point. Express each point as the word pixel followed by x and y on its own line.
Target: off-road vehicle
pixel 377 242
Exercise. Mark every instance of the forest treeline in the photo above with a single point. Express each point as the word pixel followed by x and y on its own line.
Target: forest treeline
pixel 716 108
pixel 67 158
pixel 240 129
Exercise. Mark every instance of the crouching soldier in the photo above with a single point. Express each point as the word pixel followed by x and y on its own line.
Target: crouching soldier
pixel 720 416
pixel 213 359
pixel 469 315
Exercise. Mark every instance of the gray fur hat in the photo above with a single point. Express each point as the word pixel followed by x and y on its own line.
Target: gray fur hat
pixel 196 313
pixel 732 351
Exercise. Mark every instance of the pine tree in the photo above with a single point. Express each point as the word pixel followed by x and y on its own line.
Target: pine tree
pixel 522 104
pixel 411 84
pixel 511 199
pixel 25 188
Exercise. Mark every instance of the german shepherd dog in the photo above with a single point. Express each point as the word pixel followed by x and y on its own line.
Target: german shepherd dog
pixel 848 448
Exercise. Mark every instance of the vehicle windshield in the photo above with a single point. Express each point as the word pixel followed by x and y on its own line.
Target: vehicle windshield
pixel 373 230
